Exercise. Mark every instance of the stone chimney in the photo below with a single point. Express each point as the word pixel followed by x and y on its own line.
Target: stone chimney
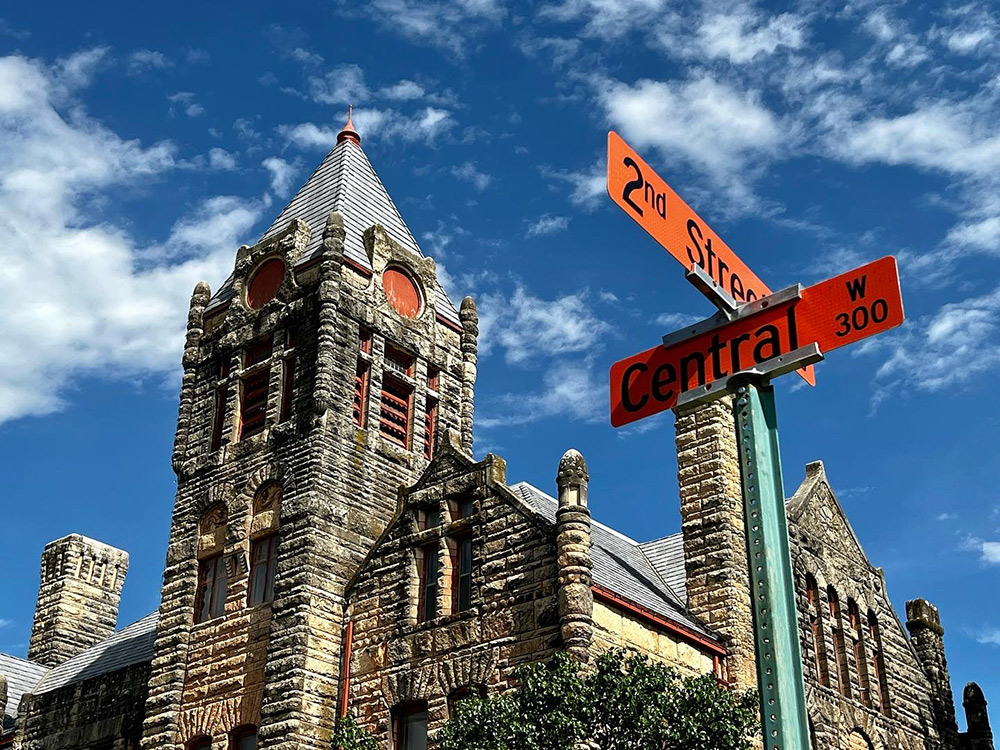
pixel 77 599
pixel 576 599
pixel 924 623
pixel 715 552
pixel 979 735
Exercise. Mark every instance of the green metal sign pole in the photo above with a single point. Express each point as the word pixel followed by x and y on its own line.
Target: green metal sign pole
pixel 776 634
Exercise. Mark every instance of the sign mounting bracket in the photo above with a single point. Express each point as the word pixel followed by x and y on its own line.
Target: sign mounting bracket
pixel 704 283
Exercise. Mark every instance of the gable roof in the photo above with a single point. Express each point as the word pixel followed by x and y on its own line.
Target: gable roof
pixel 130 645
pixel 620 565
pixel 345 181
pixel 22 676
pixel 666 555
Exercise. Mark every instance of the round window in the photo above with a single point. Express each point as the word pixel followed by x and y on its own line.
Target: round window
pixel 265 283
pixel 402 292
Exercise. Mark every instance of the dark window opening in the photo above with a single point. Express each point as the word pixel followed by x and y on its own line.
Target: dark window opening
pixel 288 375
pixel 210 600
pixel 461 566
pixel 818 634
pixel 427 568
pixel 860 661
pixel 398 361
pixel 257 351
pixel 430 426
pixel 221 396
pixel 253 403
pixel 878 662
pixel 409 726
pixel 263 557
pixel 839 645
pixel 460 694
pixel 200 743
pixel 428 518
pixel 244 738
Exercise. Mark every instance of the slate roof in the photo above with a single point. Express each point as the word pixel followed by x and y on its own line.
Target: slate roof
pixel 22 676
pixel 621 566
pixel 130 645
pixel 666 555
pixel 346 182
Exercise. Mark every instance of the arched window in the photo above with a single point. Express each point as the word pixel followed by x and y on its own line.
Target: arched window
pixel 264 543
pixel 839 645
pixel 243 738
pixel 857 740
pixel 818 634
pixel 878 662
pixel 200 743
pixel 210 597
pixel 861 662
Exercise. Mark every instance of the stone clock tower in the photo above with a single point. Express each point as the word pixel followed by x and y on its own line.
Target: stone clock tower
pixel 316 381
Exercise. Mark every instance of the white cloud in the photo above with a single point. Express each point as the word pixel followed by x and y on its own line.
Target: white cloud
pixel 404 91
pixel 718 130
pixel 959 342
pixel 571 390
pixel 587 188
pixel 989 636
pixel 342 85
pixel 676 320
pixel 308 135
pixel 86 300
pixel 527 327
pixel 609 19
pixel 446 24
pixel 185 100
pixel 547 224
pixel 4 623
pixel 946 517
pixel 219 158
pixel 282 175
pixel 470 173
pixel 425 125
pixel 744 34
pixel 144 60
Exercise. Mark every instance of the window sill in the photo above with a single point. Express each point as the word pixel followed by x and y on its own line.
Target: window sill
pixel 444 620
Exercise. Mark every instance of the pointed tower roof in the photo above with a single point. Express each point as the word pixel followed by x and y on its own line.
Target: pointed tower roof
pixel 346 182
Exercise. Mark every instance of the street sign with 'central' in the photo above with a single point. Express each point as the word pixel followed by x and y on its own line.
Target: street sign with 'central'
pixel 667 218
pixel 831 314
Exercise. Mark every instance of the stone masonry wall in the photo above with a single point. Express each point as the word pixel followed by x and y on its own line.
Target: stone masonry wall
pixel 825 547
pixel 81 584
pixel 277 666
pixel 514 617
pixel 102 713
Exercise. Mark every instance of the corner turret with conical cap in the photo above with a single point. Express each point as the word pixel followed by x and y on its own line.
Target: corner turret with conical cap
pixel 317 380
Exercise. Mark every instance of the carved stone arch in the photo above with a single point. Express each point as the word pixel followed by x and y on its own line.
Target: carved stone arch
pixel 248 501
pixel 410 685
pixel 212 526
pixel 467 671
pixel 858 739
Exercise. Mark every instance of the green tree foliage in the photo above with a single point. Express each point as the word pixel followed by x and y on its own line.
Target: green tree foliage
pixel 348 735
pixel 628 702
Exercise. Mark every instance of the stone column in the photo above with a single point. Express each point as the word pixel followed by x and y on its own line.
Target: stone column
pixel 924 623
pixel 81 586
pixel 576 599
pixel 715 554
pixel 979 735
pixel 329 295
pixel 470 337
pixel 190 360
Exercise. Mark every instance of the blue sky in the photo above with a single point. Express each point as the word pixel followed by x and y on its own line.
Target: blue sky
pixel 138 151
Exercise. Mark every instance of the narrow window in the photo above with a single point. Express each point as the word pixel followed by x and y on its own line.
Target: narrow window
pixel 361 377
pixel 461 595
pixel 431 412
pixel 460 508
pixel 211 596
pixel 200 743
pixel 428 518
pixel 288 375
pixel 427 571
pixel 263 554
pixel 878 662
pixel 858 641
pixel 253 396
pixel 409 726
pixel 818 634
pixel 397 397
pixel 839 646
pixel 221 396
pixel 244 738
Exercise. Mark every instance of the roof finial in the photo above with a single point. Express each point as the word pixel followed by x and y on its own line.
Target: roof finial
pixel 349 133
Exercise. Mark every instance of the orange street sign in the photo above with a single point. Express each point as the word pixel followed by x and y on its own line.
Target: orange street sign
pixel 668 219
pixel 832 314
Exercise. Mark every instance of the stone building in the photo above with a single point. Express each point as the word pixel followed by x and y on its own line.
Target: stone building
pixel 335 548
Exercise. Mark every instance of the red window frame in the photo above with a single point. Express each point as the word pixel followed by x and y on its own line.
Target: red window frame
pixel 213 585
pixel 461 574
pixel 816 624
pixel 839 646
pixel 361 377
pixel 263 558
pixel 427 582
pixel 221 396
pixel 860 660
pixel 402 721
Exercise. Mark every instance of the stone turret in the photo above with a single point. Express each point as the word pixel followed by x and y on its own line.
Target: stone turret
pixel 979 735
pixel 470 336
pixel 715 557
pixel 78 598
pixel 576 599
pixel 924 623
